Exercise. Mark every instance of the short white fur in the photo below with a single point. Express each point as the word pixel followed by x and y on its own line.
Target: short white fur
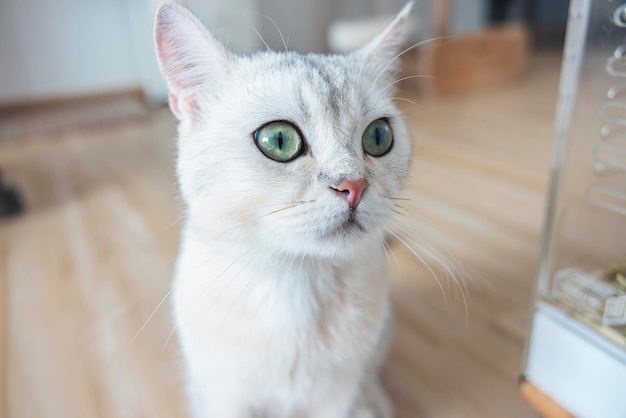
pixel 280 297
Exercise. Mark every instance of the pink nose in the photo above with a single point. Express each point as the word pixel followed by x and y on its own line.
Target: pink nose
pixel 352 190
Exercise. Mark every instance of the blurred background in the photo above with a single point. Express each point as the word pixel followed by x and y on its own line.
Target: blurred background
pixel 68 49
pixel 90 216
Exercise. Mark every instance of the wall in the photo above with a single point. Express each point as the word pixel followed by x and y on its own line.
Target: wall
pixel 302 22
pixel 51 49
pixel 68 48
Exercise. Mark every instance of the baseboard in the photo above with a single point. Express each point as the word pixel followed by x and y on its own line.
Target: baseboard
pixel 29 105
pixel 55 117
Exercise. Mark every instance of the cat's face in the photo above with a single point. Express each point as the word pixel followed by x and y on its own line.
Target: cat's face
pixel 302 153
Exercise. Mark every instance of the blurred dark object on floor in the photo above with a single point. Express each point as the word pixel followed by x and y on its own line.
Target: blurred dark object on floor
pixel 546 20
pixel 11 202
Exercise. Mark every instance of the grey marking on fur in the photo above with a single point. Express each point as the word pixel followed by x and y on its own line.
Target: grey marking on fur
pixel 306 111
pixel 329 85
pixel 328 179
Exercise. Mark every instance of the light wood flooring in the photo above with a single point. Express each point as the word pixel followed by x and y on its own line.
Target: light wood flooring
pixel 85 267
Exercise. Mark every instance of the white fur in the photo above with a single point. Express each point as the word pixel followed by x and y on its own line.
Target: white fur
pixel 281 306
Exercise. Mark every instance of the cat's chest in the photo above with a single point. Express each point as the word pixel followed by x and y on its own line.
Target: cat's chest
pixel 297 304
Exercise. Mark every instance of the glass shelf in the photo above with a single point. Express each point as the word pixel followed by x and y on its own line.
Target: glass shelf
pixel 577 347
pixel 583 264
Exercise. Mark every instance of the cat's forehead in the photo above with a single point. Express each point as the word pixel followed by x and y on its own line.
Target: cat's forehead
pixel 316 68
pixel 333 90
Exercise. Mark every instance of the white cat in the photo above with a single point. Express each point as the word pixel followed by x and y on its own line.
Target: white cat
pixel 288 165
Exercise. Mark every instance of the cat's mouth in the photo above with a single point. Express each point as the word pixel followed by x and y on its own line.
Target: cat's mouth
pixel 348 227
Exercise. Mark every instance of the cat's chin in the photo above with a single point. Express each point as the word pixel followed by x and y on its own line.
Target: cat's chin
pixel 342 240
pixel 351 229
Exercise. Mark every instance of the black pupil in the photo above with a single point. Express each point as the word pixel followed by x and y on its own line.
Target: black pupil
pixel 280 140
pixel 377 136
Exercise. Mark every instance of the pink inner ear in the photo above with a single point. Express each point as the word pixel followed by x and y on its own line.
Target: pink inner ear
pixel 173 101
pixel 188 55
pixel 186 106
pixel 180 68
pixel 176 65
pixel 191 107
pixel 186 50
pixel 383 50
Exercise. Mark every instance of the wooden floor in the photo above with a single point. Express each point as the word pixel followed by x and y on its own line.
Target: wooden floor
pixel 84 269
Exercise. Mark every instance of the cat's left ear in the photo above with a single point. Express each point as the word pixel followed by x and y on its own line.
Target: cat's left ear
pixel 190 58
pixel 381 53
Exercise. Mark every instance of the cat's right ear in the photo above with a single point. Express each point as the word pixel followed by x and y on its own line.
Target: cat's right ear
pixel 190 58
pixel 382 52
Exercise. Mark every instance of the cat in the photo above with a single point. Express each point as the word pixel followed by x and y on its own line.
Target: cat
pixel 288 165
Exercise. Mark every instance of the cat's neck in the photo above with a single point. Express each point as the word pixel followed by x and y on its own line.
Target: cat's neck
pixel 292 290
pixel 238 248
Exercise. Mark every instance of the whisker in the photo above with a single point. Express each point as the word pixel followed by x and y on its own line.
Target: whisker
pixel 407 78
pixel 258 253
pixel 293 257
pixel 300 267
pixel 196 268
pixel 174 223
pixel 437 256
pixel 367 54
pixel 168 294
pixel 242 292
pixel 388 247
pixel 289 207
pixel 197 299
pixel 232 305
pixel 235 261
pixel 410 214
pixel 153 313
pixel 425 263
pixel 400 207
pixel 399 213
pixel 289 33
pixel 251 26
pixel 406 100
pixel 414 46
pixel 169 337
pixel 385 247
pixel 276 26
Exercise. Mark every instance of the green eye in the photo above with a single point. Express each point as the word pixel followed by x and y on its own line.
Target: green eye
pixel 279 141
pixel 377 138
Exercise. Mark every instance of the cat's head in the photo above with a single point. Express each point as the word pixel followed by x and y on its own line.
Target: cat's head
pixel 300 152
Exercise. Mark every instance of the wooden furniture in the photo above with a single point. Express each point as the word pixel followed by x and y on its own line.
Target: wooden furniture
pixel 479 61
pixel 473 62
pixel 542 402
